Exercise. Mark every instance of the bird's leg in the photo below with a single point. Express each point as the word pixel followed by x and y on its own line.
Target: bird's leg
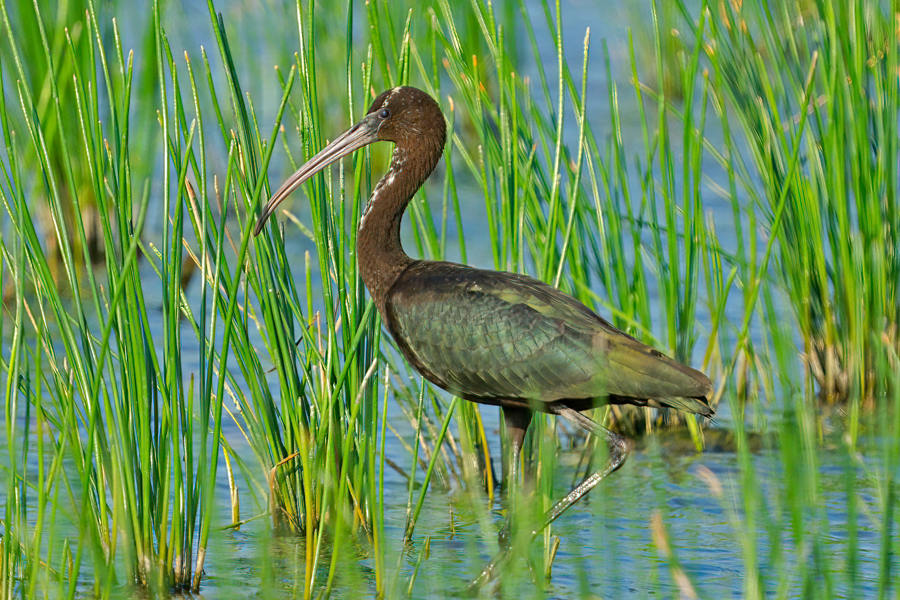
pixel 618 450
pixel 517 420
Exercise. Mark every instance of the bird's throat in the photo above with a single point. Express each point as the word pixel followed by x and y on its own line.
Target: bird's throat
pixel 379 252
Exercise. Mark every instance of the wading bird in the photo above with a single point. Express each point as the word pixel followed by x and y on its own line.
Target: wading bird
pixel 487 336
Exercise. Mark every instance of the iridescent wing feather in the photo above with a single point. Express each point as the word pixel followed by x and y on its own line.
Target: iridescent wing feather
pixel 486 335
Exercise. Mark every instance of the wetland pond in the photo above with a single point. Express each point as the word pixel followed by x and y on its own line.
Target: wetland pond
pixel 780 502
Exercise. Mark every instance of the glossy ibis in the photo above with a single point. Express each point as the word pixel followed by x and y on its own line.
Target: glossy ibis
pixel 491 337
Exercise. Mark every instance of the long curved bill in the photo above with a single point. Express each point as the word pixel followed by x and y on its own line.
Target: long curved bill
pixel 363 133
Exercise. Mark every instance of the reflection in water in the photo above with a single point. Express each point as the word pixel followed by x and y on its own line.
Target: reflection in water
pixel 606 540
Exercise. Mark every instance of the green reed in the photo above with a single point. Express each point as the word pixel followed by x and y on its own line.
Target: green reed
pixel 322 423
pixel 108 401
pixel 127 240
pixel 836 257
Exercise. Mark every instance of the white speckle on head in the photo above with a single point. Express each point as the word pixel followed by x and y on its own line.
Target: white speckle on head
pixel 379 187
pixel 398 160
pixel 362 221
pixel 367 209
pixel 390 95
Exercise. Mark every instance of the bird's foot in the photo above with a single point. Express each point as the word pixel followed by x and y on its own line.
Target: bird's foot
pixel 503 536
pixel 488 572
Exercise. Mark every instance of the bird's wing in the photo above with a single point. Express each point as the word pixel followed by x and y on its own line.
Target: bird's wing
pixel 484 335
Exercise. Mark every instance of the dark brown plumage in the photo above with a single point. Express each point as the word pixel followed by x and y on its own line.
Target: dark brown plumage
pixel 490 337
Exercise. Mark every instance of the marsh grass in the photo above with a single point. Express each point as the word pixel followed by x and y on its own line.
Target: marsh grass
pixel 128 380
pixel 837 235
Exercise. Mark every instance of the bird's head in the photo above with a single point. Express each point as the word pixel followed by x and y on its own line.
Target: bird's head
pixel 404 115
pixel 407 114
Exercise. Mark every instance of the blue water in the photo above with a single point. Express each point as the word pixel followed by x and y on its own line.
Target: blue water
pixel 606 544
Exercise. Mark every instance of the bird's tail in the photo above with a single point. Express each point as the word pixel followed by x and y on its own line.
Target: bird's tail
pixel 638 371
pixel 698 406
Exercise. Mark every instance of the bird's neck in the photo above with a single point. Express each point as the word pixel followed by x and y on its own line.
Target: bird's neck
pixel 379 253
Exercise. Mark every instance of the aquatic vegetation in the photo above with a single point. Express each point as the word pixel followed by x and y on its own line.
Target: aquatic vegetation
pixel 181 397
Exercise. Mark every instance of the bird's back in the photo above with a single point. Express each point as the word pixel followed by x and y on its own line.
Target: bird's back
pixel 495 337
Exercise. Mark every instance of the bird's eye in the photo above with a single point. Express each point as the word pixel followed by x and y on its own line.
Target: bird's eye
pixel 385 113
